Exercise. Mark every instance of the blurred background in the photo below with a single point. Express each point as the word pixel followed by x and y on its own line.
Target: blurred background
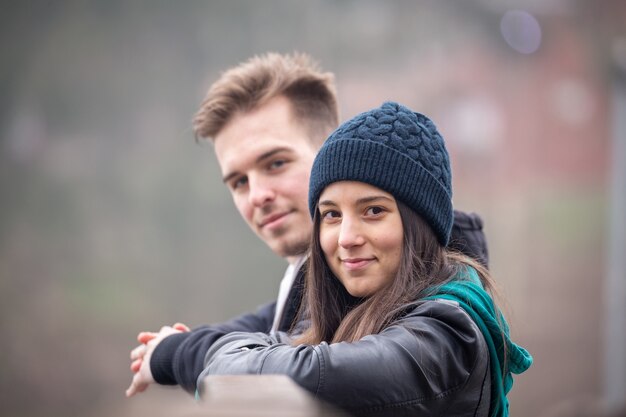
pixel 114 220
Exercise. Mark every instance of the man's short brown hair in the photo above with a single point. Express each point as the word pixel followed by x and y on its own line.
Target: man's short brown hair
pixel 253 83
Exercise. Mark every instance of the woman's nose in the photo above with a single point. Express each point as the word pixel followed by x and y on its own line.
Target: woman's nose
pixel 350 234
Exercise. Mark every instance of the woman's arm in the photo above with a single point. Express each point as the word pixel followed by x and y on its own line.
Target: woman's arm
pixel 421 359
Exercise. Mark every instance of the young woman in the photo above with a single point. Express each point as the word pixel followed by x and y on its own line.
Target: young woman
pixel 395 323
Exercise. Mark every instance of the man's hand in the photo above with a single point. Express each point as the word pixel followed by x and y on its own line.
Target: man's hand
pixel 140 357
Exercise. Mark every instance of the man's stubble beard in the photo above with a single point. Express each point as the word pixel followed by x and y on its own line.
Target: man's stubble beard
pixel 294 247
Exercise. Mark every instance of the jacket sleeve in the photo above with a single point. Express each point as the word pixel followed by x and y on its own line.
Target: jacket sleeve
pixel 428 354
pixel 179 358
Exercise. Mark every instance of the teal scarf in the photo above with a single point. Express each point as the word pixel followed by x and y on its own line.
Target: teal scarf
pixel 467 290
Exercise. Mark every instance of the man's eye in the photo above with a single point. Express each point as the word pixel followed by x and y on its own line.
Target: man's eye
pixel 277 164
pixel 239 182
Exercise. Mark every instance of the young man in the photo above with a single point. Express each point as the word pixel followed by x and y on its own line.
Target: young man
pixel 267 118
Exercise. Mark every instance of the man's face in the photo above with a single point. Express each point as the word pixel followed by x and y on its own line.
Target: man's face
pixel 266 159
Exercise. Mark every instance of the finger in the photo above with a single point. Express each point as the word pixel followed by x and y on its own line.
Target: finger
pixel 182 327
pixel 136 386
pixel 138 352
pixel 136 365
pixel 132 390
pixel 145 337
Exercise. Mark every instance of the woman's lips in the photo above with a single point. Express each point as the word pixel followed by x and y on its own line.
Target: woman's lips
pixel 354 264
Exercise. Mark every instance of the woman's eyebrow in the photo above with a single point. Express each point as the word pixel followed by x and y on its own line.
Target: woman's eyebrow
pixel 373 198
pixel 326 203
pixel 362 200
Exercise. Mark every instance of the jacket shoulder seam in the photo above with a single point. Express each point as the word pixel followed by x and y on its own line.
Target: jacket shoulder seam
pixel 320 370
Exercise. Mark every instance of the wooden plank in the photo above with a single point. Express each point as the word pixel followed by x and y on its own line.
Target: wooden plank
pixel 234 396
pixel 261 396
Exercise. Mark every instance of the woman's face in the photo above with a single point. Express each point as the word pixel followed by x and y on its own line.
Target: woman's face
pixel 361 235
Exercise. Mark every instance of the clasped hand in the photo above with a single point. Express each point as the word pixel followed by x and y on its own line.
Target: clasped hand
pixel 140 356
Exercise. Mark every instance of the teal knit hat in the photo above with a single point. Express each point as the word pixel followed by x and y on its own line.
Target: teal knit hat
pixel 396 150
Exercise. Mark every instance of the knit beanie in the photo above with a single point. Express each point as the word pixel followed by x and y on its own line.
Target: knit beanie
pixel 396 150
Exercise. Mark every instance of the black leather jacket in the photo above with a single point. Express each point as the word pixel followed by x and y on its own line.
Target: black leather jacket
pixel 432 362
pixel 179 359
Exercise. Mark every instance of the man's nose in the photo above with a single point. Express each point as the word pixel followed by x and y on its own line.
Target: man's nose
pixel 261 191
pixel 350 233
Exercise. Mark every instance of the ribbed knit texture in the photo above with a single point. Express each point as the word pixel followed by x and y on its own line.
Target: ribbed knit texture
pixel 397 150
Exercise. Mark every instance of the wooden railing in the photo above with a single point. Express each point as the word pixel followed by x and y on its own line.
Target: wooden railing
pixel 247 396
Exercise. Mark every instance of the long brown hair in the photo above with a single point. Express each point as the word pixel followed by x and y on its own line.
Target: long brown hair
pixel 336 316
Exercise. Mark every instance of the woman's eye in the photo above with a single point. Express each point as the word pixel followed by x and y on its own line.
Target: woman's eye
pixel 330 214
pixel 373 211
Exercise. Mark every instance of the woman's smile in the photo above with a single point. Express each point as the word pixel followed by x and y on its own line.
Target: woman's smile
pixel 361 235
pixel 357 264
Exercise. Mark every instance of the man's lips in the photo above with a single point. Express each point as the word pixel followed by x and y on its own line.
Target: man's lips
pixel 356 263
pixel 273 219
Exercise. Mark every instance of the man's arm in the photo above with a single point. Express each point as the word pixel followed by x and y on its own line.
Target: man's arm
pixel 172 357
